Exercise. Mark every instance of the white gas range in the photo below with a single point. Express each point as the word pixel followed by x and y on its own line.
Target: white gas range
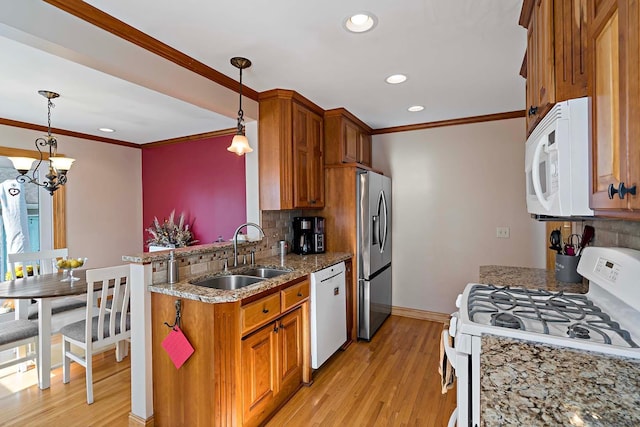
pixel 605 320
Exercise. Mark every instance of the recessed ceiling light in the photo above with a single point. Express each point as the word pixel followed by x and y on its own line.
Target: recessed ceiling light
pixel 107 130
pixel 415 108
pixel 360 22
pixel 396 78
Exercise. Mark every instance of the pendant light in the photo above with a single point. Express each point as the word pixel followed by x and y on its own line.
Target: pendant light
pixel 240 143
pixel 58 165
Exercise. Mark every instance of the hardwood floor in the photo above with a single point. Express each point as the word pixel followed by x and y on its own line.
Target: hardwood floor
pixel 391 381
pixel 66 404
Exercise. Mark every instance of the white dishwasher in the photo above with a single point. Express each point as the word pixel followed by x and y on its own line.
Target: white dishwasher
pixel 328 313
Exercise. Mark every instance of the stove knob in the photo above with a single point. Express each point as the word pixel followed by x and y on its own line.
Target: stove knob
pixel 459 301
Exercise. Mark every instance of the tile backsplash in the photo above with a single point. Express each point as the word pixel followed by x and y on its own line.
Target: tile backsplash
pixel 625 234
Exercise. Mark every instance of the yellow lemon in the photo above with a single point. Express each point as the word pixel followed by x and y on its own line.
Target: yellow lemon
pixel 74 263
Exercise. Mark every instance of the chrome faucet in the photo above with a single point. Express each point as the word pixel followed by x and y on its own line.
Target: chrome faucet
pixel 235 239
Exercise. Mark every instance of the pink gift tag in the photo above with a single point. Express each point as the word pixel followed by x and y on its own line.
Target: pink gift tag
pixel 177 346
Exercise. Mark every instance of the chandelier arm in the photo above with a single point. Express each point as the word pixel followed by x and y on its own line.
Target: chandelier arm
pixel 54 178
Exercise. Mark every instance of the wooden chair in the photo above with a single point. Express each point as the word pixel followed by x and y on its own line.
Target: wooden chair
pixel 63 310
pixel 105 325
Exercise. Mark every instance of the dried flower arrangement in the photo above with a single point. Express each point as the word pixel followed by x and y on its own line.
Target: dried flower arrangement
pixel 170 234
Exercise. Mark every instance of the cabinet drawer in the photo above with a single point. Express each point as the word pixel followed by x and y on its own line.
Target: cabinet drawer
pixel 294 295
pixel 260 312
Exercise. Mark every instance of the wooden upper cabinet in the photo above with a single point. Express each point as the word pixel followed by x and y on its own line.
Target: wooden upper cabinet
pixel 291 155
pixel 614 38
pixel 347 138
pixel 570 44
pixel 556 60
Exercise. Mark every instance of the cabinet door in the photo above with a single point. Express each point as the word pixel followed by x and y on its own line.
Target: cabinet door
pixel 364 149
pixel 290 351
pixel 570 44
pixel 308 179
pixel 630 95
pixel 259 380
pixel 607 148
pixel 315 143
pixel 540 64
pixel 350 135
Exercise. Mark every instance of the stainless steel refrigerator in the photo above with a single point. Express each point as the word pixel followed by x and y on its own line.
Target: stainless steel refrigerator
pixel 374 252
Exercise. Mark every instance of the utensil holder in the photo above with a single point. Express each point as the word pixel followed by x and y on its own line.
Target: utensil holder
pixel 567 268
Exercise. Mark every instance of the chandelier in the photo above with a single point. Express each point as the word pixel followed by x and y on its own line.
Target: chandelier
pixel 58 165
pixel 240 143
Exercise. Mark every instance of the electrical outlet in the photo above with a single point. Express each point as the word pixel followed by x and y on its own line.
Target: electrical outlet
pixel 502 232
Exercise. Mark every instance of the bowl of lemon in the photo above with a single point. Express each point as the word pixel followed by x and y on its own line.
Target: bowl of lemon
pixel 68 265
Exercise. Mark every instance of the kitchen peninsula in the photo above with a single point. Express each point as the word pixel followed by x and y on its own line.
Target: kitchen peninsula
pixel 251 344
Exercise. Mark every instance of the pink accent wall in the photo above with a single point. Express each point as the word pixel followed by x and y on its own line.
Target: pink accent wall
pixel 202 179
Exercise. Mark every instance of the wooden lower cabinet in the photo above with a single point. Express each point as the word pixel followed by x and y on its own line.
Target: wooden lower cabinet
pixel 233 378
pixel 271 367
pixel 259 357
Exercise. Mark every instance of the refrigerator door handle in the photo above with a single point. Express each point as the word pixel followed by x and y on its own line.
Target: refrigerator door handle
pixel 375 230
pixel 386 221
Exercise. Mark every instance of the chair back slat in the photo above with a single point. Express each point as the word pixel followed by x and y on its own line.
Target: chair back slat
pixel 43 262
pixel 113 304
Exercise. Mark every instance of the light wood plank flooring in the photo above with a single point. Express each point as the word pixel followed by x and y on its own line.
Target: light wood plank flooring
pixel 391 381
pixel 66 404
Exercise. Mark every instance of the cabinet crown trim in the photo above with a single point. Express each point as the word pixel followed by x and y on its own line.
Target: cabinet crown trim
pixel 286 94
pixel 343 112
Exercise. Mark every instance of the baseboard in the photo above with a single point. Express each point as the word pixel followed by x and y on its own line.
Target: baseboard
pixel 421 314
pixel 136 421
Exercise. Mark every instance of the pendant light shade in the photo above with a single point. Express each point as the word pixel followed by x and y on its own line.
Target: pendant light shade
pixel 240 143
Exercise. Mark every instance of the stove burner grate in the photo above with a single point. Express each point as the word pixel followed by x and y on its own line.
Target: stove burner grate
pixel 535 310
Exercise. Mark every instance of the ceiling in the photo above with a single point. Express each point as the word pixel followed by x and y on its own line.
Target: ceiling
pixel 462 59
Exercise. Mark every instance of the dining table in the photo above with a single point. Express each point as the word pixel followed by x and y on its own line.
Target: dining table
pixel 43 288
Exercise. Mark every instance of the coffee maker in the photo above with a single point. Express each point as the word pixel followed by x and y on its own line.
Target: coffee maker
pixel 308 235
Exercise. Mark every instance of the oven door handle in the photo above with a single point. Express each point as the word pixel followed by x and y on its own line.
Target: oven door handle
pixel 449 351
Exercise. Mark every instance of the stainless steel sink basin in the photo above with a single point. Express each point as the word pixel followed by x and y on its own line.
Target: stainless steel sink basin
pixel 265 272
pixel 230 282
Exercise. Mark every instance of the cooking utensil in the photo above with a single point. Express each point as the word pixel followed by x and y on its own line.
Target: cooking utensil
pixel 556 241
pixel 572 245
pixel 587 235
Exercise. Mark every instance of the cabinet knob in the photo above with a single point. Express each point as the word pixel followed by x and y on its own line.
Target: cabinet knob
pixel 299 293
pixel 621 191
pixel 275 328
pixel 265 310
pixel 533 111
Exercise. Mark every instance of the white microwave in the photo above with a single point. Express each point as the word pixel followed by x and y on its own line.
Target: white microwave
pixel 557 162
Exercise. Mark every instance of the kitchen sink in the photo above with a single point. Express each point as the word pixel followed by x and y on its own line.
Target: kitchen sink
pixel 264 272
pixel 230 282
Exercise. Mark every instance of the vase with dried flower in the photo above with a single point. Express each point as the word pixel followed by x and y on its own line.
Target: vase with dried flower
pixel 169 233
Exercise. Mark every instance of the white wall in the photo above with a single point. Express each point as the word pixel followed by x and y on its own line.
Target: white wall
pixel 104 196
pixel 452 186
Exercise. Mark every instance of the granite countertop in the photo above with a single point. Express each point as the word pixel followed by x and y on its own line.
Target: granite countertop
pixel 149 257
pixel 524 383
pixel 299 265
pixel 525 277
pixel 534 384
